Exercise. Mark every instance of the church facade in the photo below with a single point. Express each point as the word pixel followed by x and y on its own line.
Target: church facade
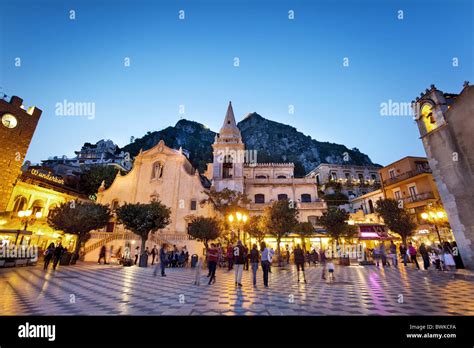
pixel 167 175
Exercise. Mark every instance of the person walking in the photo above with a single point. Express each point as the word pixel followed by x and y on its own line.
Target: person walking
pixel 102 254
pixel 322 258
pixel 299 257
pixel 403 253
pixel 58 252
pixel 287 250
pixel 376 255
pixel 425 256
pixel 254 260
pixel 449 262
pixel 271 253
pixel 154 251
pixel 383 255
pixel 137 254
pixel 266 259
pixel 412 252
pixel 197 272
pixel 247 258
pixel 48 255
pixel 212 257
pixel 163 260
pixel 393 253
pixel 331 270
pixel 239 260
pixel 230 257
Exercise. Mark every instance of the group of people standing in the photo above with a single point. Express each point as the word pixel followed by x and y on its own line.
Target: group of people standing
pixel 240 258
pixel 443 257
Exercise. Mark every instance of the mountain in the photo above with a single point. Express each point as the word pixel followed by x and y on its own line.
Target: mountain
pixel 274 142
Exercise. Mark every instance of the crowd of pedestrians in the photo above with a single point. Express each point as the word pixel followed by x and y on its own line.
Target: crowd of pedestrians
pixel 442 257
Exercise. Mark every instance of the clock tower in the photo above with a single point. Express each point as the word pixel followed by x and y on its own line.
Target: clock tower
pixel 228 156
pixel 16 130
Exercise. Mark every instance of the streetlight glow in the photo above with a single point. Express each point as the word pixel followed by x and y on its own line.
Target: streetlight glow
pixel 231 218
pixel 239 216
pixel 440 214
pixel 424 216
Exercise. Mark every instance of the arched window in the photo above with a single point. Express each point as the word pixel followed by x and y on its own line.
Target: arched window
pixel 260 177
pixel 37 207
pixel 282 196
pixel 305 198
pixel 428 118
pixel 281 177
pixel 51 209
pixel 157 170
pixel 20 204
pixel 227 167
pixel 114 205
pixel 259 198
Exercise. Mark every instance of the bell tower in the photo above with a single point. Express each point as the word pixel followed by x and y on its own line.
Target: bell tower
pixel 16 130
pixel 228 156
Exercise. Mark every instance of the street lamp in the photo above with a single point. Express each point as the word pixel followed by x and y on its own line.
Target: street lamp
pixel 26 218
pixel 240 219
pixel 433 217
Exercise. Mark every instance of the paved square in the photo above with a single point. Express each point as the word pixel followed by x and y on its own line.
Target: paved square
pixel 91 289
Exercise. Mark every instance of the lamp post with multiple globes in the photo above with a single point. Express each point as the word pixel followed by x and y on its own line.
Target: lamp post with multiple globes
pixel 27 217
pixel 239 219
pixel 434 217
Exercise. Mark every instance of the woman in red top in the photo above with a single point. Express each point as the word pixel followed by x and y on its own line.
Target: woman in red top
pixel 212 258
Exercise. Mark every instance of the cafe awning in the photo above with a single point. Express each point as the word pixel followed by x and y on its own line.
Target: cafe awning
pixel 374 232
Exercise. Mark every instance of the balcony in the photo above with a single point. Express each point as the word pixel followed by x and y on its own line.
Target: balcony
pixel 276 181
pixel 406 175
pixel 420 197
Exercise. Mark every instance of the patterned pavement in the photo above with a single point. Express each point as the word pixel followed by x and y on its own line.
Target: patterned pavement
pixel 91 289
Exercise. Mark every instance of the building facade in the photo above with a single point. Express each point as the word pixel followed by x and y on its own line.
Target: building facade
pixel 410 181
pixel 167 175
pixel 446 125
pixel 17 129
pixel 353 180
pixel 40 192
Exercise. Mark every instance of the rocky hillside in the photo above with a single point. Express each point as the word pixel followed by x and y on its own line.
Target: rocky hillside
pixel 275 142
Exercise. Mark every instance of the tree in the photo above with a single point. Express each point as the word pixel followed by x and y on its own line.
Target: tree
pixel 204 229
pixel 279 219
pixel 255 228
pixel 334 220
pixel 79 218
pixel 226 201
pixel 92 178
pixel 304 230
pixel 143 219
pixel 395 218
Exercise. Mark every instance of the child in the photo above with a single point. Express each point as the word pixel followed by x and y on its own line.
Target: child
pixel 197 275
pixel 330 267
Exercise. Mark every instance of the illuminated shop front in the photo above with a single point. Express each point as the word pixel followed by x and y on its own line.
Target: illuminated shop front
pixel 35 195
pixel 318 241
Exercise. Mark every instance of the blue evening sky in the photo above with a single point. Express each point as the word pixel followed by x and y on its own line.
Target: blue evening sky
pixel 190 62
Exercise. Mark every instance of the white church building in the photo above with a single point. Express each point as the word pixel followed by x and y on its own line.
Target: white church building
pixel 167 175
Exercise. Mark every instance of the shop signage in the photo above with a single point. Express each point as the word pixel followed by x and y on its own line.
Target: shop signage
pixel 47 176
